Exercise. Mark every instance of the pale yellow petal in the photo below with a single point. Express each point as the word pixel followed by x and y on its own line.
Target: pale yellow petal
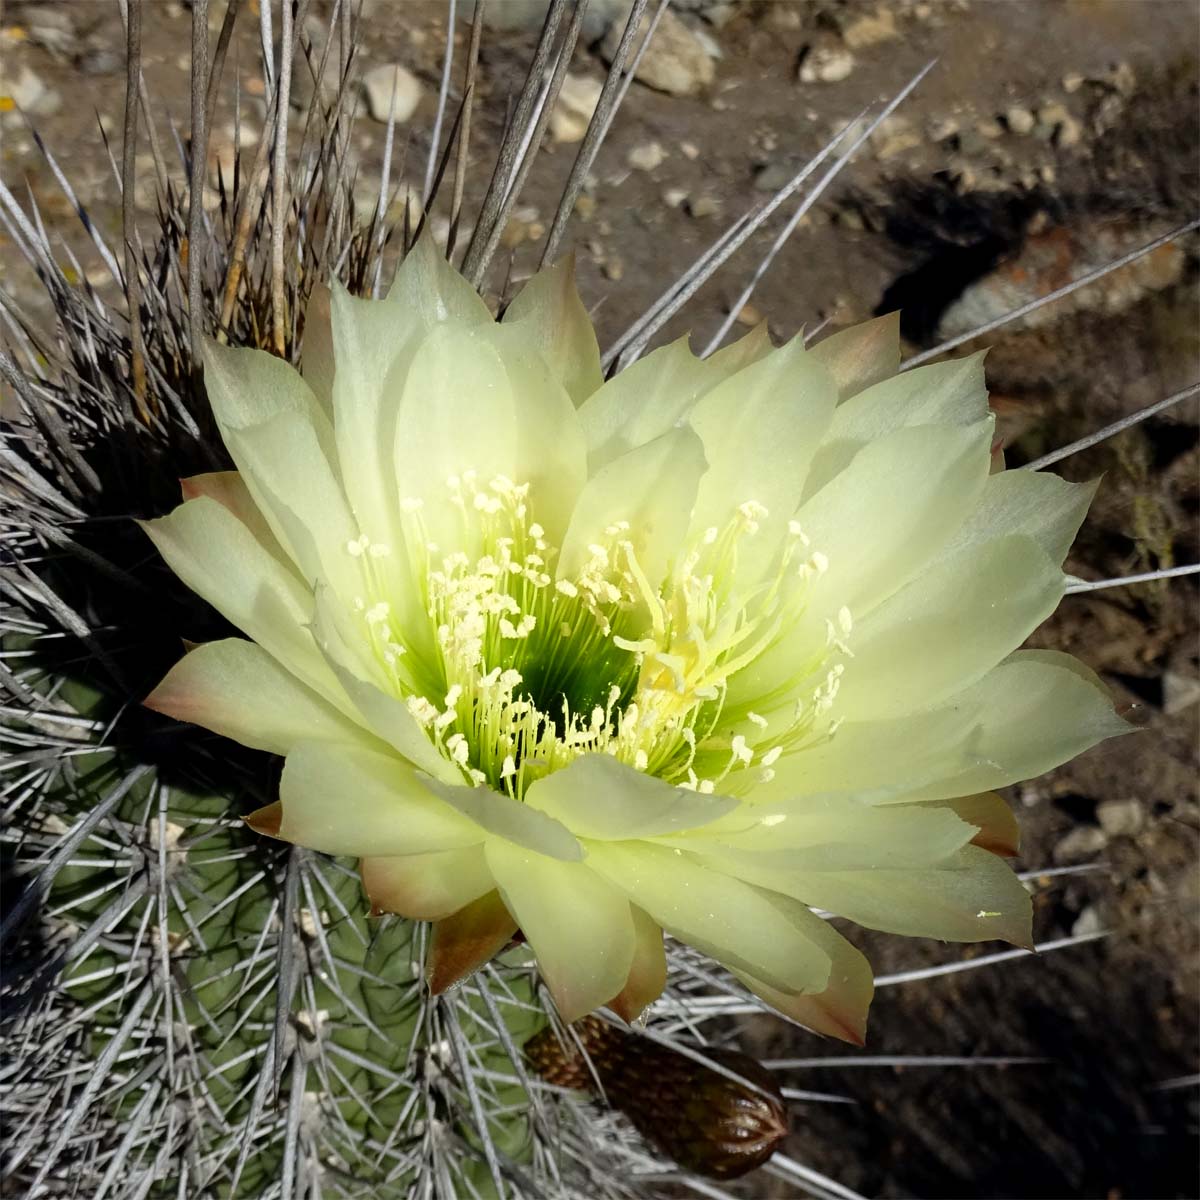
pixel 1038 505
pixel 945 393
pixel 861 356
pixel 651 488
pixel 840 1009
pixel 235 688
pixel 510 819
pixel 427 887
pixel 346 800
pixel 224 563
pixel 548 312
pixel 760 430
pixel 648 971
pixel 877 524
pixel 948 627
pixel 598 797
pixel 719 915
pixel 579 926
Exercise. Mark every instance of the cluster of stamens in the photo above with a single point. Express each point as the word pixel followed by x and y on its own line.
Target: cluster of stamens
pixel 533 671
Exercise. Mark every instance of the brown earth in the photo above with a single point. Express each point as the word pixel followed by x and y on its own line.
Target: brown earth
pixel 948 196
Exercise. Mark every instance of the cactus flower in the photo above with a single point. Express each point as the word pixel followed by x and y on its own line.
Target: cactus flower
pixel 697 649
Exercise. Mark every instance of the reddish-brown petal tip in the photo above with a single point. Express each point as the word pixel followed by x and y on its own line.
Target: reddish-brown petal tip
pixel 462 943
pixel 267 820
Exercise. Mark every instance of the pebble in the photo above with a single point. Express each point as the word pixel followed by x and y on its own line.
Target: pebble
pixel 1019 120
pixel 1072 82
pixel 613 268
pixel 871 30
pixel 675 61
pixel 826 64
pixel 689 150
pixel 378 84
pixel 1088 922
pixel 1056 123
pixel 1180 692
pixel 100 60
pixel 53 30
pixel 773 176
pixel 674 197
pixel 577 100
pixel 646 157
pixel 1083 842
pixel 749 315
pixel 30 94
pixel 1121 818
pixel 703 206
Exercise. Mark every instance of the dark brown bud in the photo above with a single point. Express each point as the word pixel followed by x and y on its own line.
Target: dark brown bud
pixel 706 1121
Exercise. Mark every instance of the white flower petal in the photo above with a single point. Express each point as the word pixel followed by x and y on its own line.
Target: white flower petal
pixel 824 833
pixel 840 1009
pixel 1034 503
pixel 878 523
pixel 579 926
pixel 719 915
pixel 599 797
pixel 317 364
pixel 287 472
pixel 947 627
pixel 1039 709
pixel 428 290
pixel 427 887
pixel 549 314
pixel 347 800
pixel 235 688
pixel 861 356
pixel 653 488
pixel 945 393
pixel 247 387
pixel 656 393
pixel 229 490
pixel 1033 712
pixel 760 430
pixel 222 561
pixel 971 896
pixel 510 819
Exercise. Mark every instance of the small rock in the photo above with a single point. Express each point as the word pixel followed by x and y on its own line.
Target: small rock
pixel 719 15
pixel 1083 842
pixel 1088 922
pixel 941 128
pixel 380 82
pixel 613 268
pixel 1180 692
pixel 826 64
pixel 1121 818
pixel 708 43
pixel 689 150
pixel 990 129
pixel 100 60
pixel 53 30
pixel 870 30
pixel 585 206
pixel 749 315
pixel 646 157
pixel 703 206
pixel 784 18
pixel 1122 78
pixel 31 95
pixel 1019 120
pixel 675 61
pixel 897 144
pixel 674 197
pixel 573 110
pixel 1056 123
pixel 773 176
pixel 1072 82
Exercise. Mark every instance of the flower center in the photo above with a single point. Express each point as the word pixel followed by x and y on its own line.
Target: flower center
pixel 533 671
